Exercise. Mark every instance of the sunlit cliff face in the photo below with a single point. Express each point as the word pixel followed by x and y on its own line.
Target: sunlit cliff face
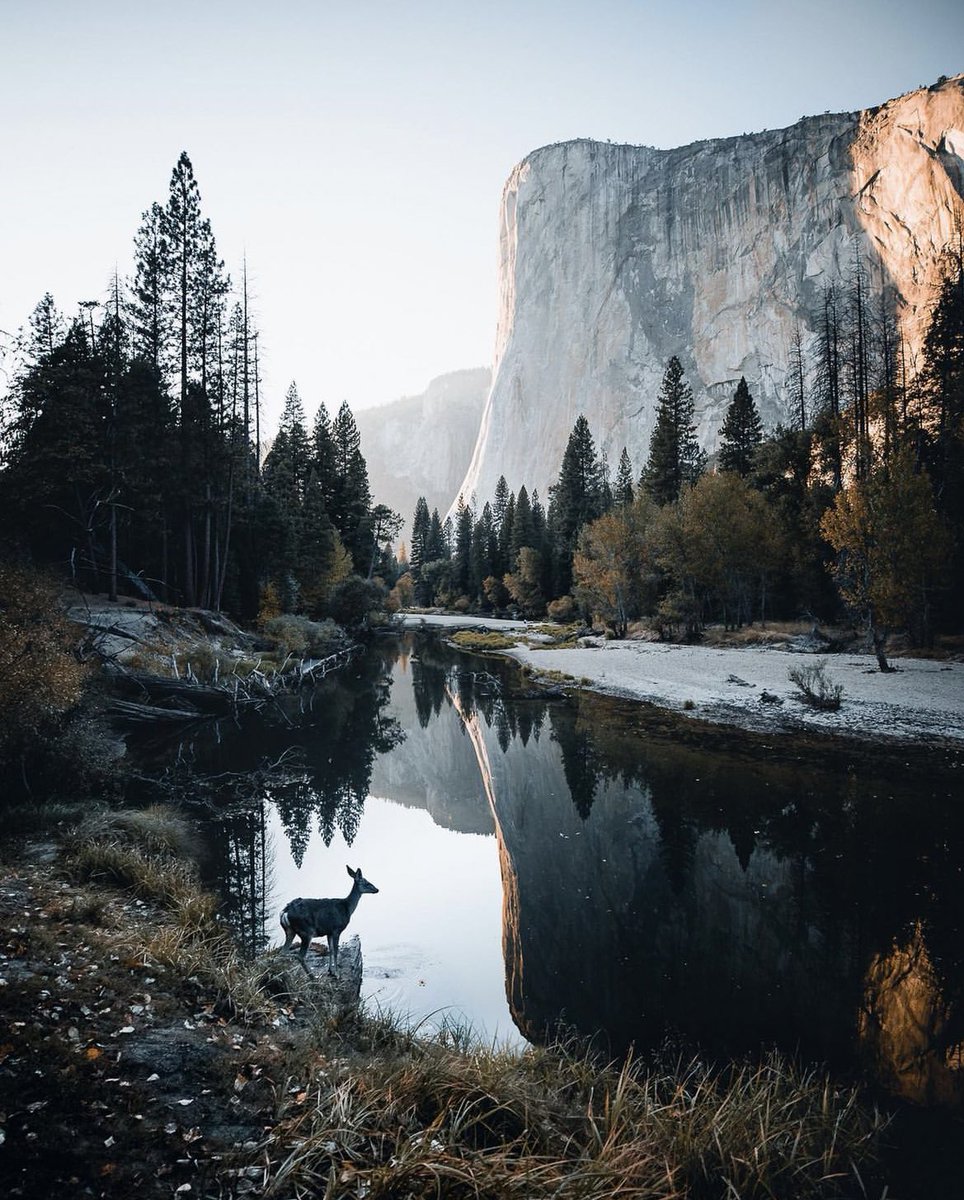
pixel 614 258
pixel 904 1027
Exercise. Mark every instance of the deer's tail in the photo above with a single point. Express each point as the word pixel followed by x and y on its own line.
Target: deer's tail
pixel 284 920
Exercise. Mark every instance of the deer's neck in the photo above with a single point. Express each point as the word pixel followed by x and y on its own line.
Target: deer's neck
pixel 351 900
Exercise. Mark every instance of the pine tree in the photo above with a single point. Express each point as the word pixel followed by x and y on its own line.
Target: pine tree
pixel 538 522
pixel 146 307
pixel 351 496
pixel 940 444
pixel 577 497
pixel 828 370
pixel 797 380
pixel 523 526
pixel 46 329
pixel 462 557
pixel 500 503
pixel 675 458
pixel 741 432
pixel 210 286
pixel 181 230
pixel 503 514
pixel 55 474
pixel 439 542
pixel 623 492
pixel 420 531
pixel 292 425
pixel 323 454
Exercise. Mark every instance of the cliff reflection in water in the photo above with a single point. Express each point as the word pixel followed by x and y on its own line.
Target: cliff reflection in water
pixel 648 886
pixel 652 887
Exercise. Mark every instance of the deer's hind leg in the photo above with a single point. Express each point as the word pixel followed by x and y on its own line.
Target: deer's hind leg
pixel 305 943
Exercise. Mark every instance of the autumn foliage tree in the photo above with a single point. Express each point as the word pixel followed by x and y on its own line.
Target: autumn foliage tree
pixel 41 678
pixel 614 572
pixel 890 547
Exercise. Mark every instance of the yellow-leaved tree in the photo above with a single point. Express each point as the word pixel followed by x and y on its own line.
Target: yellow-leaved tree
pixel 613 571
pixel 890 546
pixel 40 676
pixel 720 546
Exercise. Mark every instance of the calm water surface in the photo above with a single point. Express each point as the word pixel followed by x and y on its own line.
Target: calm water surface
pixel 545 863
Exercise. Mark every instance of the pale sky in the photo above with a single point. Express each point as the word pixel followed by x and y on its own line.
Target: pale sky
pixel 357 151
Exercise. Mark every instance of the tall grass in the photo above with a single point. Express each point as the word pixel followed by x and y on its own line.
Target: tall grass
pixel 434 1120
pixel 149 853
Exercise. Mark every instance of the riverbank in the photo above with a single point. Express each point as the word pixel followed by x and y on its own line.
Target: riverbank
pixel 143 1056
pixel 921 701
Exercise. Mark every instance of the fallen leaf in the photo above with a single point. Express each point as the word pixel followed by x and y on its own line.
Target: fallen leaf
pixel 93 1052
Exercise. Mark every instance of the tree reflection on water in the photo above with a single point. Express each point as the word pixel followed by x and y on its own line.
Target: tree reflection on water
pixel 733 897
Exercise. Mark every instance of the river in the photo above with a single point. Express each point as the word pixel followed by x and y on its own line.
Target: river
pixel 555 863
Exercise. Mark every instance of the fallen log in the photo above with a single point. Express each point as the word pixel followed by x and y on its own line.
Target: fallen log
pixel 130 710
pixel 162 687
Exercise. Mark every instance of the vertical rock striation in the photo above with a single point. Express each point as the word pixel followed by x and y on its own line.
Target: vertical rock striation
pixel 614 258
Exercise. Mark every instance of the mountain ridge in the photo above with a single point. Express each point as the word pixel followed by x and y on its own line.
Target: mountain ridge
pixel 614 256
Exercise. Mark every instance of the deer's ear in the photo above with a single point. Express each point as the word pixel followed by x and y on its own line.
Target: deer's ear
pixel 351 872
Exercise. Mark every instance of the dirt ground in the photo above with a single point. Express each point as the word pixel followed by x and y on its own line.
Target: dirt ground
pixel 116 1078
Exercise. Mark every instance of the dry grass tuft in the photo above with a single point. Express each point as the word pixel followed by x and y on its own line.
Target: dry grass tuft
pixel 427 1119
pixel 157 830
pixel 142 852
pixel 816 687
pixel 482 639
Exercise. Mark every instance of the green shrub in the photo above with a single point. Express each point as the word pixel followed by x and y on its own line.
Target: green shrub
pixel 354 601
pixel 302 638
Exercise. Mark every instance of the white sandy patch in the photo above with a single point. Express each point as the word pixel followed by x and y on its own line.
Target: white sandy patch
pixel 921 701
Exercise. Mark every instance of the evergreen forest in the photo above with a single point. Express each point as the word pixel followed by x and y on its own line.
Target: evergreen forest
pixel 133 454
pixel 853 510
pixel 134 463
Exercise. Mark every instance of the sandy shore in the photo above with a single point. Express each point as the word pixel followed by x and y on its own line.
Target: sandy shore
pixel 921 701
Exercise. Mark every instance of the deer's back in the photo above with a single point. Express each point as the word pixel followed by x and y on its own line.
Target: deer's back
pixel 317 916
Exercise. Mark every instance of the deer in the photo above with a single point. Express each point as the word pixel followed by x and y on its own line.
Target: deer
pixel 311 918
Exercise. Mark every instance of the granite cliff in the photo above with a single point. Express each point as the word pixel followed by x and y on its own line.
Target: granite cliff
pixel 421 445
pixel 615 257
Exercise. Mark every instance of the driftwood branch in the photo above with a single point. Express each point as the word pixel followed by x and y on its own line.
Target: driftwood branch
pixel 152 713
pixel 225 695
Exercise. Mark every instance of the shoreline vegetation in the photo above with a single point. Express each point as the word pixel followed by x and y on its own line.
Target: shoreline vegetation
pixel 136 1025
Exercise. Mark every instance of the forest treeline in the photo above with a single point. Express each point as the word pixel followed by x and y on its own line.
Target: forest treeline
pixel 856 504
pixel 131 449
pixel 132 460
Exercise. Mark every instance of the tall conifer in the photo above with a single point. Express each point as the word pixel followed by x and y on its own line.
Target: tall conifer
pixel 740 433
pixel 675 457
